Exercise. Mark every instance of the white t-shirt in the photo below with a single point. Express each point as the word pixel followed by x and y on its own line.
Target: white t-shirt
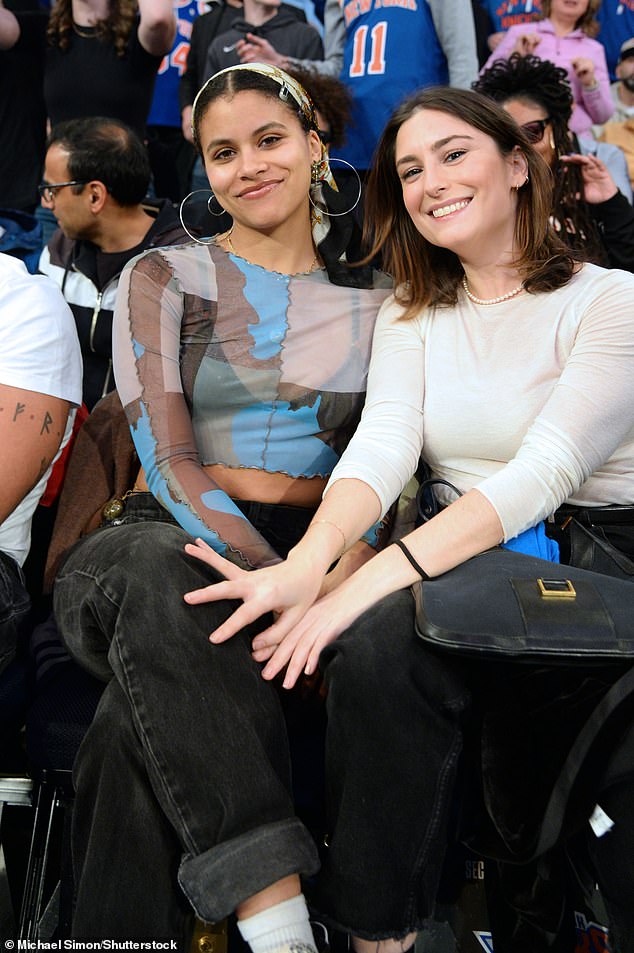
pixel 530 400
pixel 39 351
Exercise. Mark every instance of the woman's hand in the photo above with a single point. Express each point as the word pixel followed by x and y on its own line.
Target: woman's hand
pixel 598 184
pixel 584 71
pixel 526 44
pixel 255 49
pixel 287 589
pixel 299 651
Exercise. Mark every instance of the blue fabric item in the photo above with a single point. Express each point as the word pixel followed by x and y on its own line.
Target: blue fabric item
pixel 534 542
pixel 617 25
pixel 165 110
pixel 507 13
pixel 21 236
pixel 391 50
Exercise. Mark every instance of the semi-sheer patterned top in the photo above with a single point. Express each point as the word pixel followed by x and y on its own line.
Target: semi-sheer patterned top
pixel 218 361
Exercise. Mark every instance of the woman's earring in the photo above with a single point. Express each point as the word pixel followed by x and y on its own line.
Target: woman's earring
pixel 320 173
pixel 200 241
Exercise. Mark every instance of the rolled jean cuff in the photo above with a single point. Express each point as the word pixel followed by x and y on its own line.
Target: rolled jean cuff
pixel 216 882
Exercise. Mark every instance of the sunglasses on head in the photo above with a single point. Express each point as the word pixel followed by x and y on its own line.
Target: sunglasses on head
pixel 534 131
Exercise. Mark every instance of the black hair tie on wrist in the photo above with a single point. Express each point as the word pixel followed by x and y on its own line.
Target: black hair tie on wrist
pixel 401 545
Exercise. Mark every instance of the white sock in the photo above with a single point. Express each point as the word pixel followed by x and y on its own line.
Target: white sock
pixel 284 925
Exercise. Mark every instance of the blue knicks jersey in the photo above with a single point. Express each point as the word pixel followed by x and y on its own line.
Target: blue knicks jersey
pixel 617 25
pixel 507 13
pixel 165 110
pixel 391 50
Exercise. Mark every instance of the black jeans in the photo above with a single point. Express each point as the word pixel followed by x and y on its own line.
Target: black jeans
pixel 399 716
pixel 395 714
pixel 184 776
pixel 14 607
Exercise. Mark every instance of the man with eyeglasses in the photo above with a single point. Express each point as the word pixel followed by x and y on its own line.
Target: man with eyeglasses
pixel 96 175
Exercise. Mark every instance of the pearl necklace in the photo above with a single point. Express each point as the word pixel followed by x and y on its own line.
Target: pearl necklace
pixel 313 265
pixel 472 297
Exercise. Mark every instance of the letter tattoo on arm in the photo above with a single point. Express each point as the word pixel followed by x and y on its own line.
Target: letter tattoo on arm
pixel 19 409
pixel 48 420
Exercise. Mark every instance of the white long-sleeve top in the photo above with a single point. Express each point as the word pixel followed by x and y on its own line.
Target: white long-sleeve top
pixel 530 400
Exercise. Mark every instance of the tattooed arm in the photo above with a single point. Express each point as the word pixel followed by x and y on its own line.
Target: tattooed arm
pixel 31 429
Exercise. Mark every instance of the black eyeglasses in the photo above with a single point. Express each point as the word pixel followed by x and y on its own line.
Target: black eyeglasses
pixel 535 130
pixel 47 190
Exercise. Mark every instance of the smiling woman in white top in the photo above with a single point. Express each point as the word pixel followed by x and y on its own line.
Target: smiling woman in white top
pixel 510 367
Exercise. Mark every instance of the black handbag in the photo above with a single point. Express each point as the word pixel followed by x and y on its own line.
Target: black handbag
pixel 504 603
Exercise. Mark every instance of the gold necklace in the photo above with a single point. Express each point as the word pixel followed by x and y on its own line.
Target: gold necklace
pixel 313 265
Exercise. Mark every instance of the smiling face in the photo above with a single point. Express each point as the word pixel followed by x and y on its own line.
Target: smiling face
pixel 570 10
pixel 258 159
pixel 458 188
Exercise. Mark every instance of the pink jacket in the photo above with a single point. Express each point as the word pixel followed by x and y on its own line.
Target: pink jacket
pixel 591 106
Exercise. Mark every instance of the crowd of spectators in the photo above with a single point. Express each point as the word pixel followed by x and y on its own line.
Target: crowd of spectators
pixel 97 152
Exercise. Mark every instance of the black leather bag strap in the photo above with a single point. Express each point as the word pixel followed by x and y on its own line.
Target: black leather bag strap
pixel 552 823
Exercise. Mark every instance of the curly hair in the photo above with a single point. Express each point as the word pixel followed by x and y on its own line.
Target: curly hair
pixel 115 28
pixel 427 274
pixel 330 97
pixel 540 83
pixel 587 21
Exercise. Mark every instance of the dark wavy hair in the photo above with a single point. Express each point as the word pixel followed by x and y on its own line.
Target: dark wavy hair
pixel 115 28
pixel 427 274
pixel 330 96
pixel 586 22
pixel 540 83
pixel 106 150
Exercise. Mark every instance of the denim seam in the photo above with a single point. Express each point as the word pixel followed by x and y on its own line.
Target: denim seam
pixel 148 747
pixel 432 827
pixel 159 770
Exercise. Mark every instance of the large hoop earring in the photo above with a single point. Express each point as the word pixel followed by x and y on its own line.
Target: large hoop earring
pixel 318 177
pixel 200 241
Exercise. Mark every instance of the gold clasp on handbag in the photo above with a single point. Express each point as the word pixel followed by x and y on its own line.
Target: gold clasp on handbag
pixel 556 589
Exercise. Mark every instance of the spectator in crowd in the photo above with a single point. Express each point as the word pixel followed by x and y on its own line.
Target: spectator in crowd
pixel 332 101
pixel 510 366
pixel 103 56
pixel 40 384
pixel 205 29
pixel 241 365
pixel 171 154
pixel 620 129
pixel 503 14
pixel 616 21
pixel 382 54
pixel 623 87
pixel 564 36
pixel 95 178
pixel 590 212
pixel 22 110
pixel 268 20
